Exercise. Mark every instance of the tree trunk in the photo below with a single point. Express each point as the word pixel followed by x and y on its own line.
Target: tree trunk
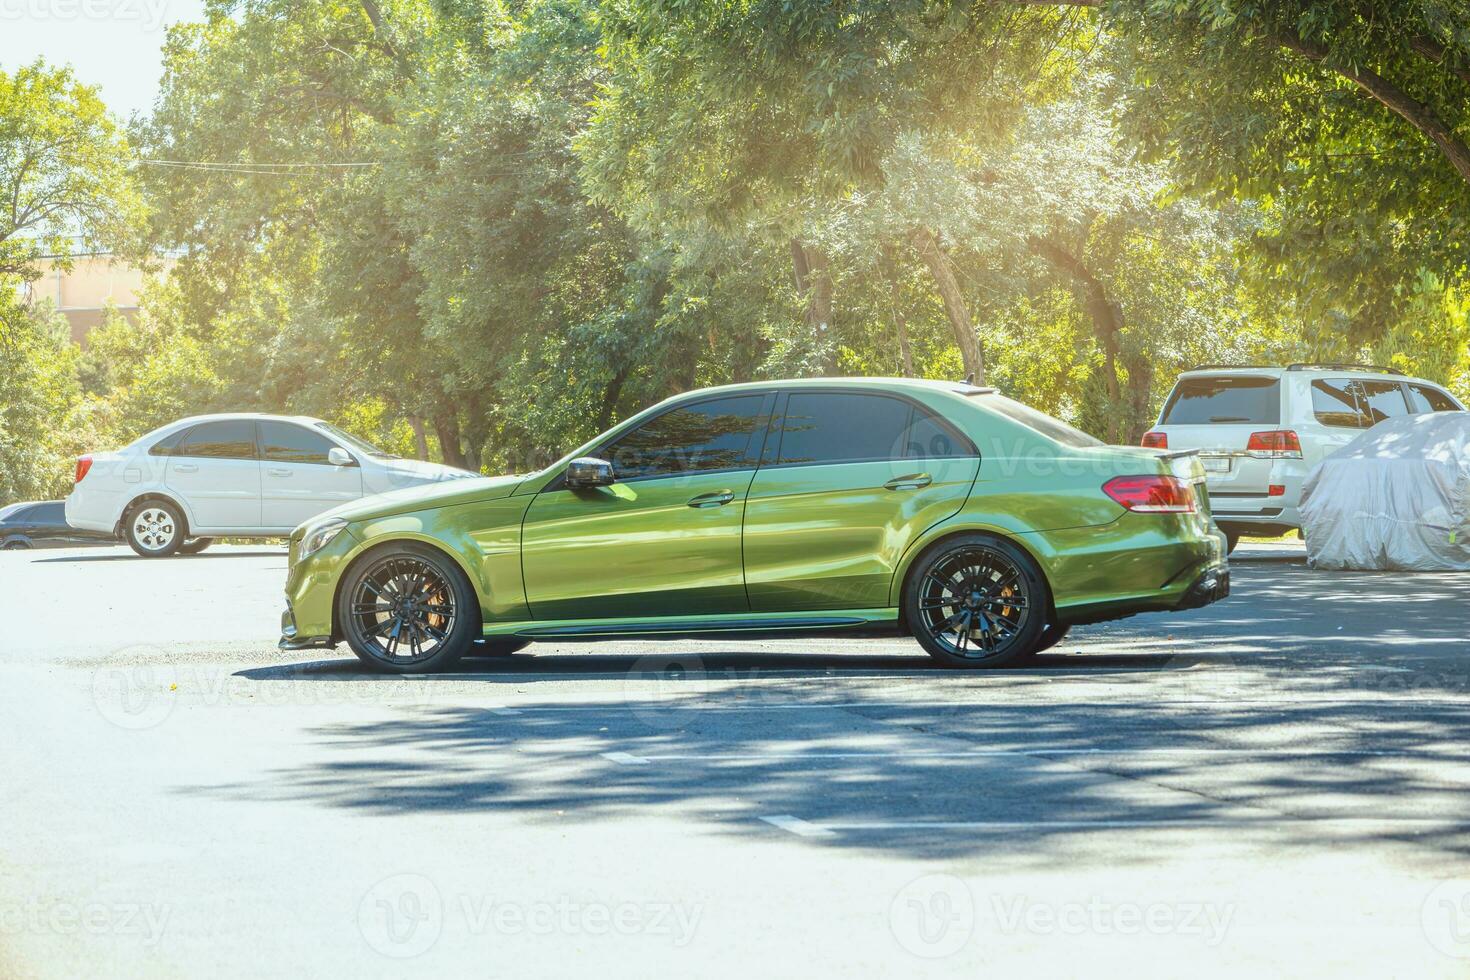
pixel 420 439
pixel 811 270
pixel 610 397
pixel 446 427
pixel 1107 323
pixel 942 269
pixel 900 322
pixel 1417 114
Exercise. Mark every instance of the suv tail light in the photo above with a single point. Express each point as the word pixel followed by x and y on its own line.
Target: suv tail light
pixel 1276 444
pixel 1152 494
pixel 1156 440
pixel 84 463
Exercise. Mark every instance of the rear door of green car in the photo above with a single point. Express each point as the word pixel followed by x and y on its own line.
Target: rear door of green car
pixel 664 540
pixel 849 479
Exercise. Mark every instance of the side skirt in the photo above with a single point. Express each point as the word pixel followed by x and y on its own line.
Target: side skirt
pixel 844 622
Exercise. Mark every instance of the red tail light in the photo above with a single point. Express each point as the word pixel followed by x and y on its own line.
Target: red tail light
pixel 1152 494
pixel 1156 440
pixel 84 463
pixel 1276 444
pixel 1276 490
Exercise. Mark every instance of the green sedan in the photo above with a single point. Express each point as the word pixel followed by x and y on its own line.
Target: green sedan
pixel 983 528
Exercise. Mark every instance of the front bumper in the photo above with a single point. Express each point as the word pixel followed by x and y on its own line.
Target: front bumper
pixel 311 583
pixel 292 640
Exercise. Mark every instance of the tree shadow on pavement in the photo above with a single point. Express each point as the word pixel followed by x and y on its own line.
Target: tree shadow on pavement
pixel 1224 724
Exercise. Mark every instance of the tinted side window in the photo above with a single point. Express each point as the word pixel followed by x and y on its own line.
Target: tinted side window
pixel 929 438
pixel 233 439
pixel 846 427
pixel 1426 399
pixel 1225 400
pixel 1336 402
pixel 287 443
pixel 24 515
pixel 53 514
pixel 1384 400
pixel 712 435
pixel 169 444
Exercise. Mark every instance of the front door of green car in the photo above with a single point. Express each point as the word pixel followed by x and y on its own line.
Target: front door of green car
pixel 664 540
pixel 848 482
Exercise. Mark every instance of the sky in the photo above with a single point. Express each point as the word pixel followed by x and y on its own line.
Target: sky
pixel 113 43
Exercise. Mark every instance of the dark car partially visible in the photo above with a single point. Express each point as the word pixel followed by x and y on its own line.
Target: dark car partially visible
pixel 42 524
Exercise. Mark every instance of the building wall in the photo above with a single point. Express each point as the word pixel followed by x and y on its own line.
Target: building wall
pixel 82 293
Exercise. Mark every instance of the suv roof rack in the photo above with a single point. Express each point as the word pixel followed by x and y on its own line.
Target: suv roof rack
pixel 1234 367
pixel 1377 368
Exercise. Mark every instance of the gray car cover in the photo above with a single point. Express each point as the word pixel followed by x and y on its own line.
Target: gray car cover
pixel 1393 498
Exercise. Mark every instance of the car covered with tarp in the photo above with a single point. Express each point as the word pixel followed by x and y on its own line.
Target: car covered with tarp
pixel 1395 498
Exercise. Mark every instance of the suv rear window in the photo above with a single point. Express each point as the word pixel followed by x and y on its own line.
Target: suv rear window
pixel 1224 400
pixel 1355 404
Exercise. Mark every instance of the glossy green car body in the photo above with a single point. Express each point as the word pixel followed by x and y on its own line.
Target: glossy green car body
pixel 770 546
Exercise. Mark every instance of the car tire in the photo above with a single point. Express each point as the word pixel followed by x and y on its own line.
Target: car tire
pixel 17 544
pixel 155 528
pixel 499 647
pixel 410 593
pixel 1232 539
pixel 195 545
pixel 1050 637
pixel 962 583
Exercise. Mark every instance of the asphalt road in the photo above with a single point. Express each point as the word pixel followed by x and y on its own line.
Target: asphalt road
pixel 1277 784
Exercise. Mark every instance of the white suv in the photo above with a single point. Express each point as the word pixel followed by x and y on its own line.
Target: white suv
pixel 237 475
pixel 1260 430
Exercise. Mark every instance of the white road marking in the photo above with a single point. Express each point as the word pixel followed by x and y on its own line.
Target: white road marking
pixel 1396 704
pixel 625 759
pixel 1271 820
pixel 797 826
pixel 1041 752
pixel 502 710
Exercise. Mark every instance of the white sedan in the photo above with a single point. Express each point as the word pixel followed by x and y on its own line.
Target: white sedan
pixel 237 475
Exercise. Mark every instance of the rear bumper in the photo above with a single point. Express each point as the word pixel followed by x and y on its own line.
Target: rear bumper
pixel 1265 520
pixel 93 510
pixel 1211 585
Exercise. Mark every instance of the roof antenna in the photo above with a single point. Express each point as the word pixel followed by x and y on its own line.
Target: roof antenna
pixel 970 379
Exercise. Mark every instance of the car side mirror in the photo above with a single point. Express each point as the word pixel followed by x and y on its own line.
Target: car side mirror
pixel 587 471
pixel 338 456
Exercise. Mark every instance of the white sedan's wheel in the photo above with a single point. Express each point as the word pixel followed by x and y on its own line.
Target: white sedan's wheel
pixel 155 529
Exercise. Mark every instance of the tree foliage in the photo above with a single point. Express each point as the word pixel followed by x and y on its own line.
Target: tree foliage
pixel 484 231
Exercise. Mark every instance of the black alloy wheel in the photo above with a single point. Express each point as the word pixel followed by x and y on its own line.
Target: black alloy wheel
pixel 977 601
pixel 408 610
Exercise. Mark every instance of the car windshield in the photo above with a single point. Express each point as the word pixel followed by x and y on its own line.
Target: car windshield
pixel 1054 429
pixel 361 445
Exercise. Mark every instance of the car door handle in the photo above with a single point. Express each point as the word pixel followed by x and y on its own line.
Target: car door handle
pixel 717 499
pixel 185 468
pixel 913 481
pixel 278 471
